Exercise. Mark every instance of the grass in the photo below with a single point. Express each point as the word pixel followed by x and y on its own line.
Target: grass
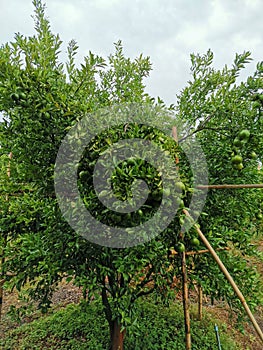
pixel 82 327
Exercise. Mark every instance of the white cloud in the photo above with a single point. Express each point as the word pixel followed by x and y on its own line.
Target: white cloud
pixel 104 4
pixel 65 13
pixel 167 31
pixel 15 17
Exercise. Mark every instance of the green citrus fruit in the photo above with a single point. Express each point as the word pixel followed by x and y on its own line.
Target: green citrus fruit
pixel 253 155
pixel 238 166
pixel 140 212
pixel 236 159
pixel 195 241
pixel 179 186
pixel 259 216
pixel 181 204
pixel 181 220
pixel 181 247
pixel 22 95
pixel 244 134
pixel 237 143
pixel 83 175
pixel 166 191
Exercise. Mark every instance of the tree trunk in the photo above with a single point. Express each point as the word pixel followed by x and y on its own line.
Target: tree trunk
pixel 117 337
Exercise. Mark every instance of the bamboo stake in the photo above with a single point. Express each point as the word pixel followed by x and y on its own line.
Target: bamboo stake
pixel 174 133
pixel 200 302
pixel 199 187
pixel 2 281
pixel 196 252
pixel 185 294
pixel 229 278
pixel 226 186
pixel 1 297
pixel 186 304
pixel 9 165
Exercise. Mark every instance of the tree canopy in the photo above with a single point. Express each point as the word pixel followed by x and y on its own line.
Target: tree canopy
pixel 42 99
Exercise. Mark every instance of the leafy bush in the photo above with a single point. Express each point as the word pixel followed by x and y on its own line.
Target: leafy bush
pixel 83 327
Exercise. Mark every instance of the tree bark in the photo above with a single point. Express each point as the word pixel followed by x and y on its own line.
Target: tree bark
pixel 117 336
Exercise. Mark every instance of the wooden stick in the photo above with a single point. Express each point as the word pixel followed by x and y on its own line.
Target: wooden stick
pixel 200 302
pixel 1 296
pixel 9 165
pixel 199 187
pixel 174 133
pixel 5 240
pixel 226 186
pixel 203 251
pixel 186 303
pixel 229 278
pixel 185 294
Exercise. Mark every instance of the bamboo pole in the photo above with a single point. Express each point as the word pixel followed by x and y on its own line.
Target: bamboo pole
pixel 201 187
pixel 229 186
pixel 196 252
pixel 200 302
pixel 185 294
pixel 229 278
pixel 2 281
pixel 1 296
pixel 9 165
pixel 186 303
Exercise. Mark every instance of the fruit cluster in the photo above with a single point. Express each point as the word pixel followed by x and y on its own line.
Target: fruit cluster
pixel 193 244
pixel 238 143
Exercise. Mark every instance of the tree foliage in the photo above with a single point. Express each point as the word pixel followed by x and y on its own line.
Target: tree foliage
pixel 216 108
pixel 41 99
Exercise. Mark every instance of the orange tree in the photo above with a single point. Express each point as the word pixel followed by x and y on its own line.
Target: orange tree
pixel 41 101
pixel 227 119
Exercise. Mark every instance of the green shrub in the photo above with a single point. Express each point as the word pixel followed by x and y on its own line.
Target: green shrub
pixel 83 327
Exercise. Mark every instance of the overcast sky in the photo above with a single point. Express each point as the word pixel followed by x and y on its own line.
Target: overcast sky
pixel 166 30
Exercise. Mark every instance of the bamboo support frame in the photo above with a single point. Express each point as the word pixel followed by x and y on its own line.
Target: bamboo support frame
pixel 196 252
pixel 229 186
pixel 199 293
pixel 1 296
pixel 200 302
pixel 229 278
pixel 185 293
pixel 186 303
pixel 199 187
pixel 2 281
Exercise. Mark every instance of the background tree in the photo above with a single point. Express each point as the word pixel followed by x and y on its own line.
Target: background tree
pixel 217 108
pixel 42 99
